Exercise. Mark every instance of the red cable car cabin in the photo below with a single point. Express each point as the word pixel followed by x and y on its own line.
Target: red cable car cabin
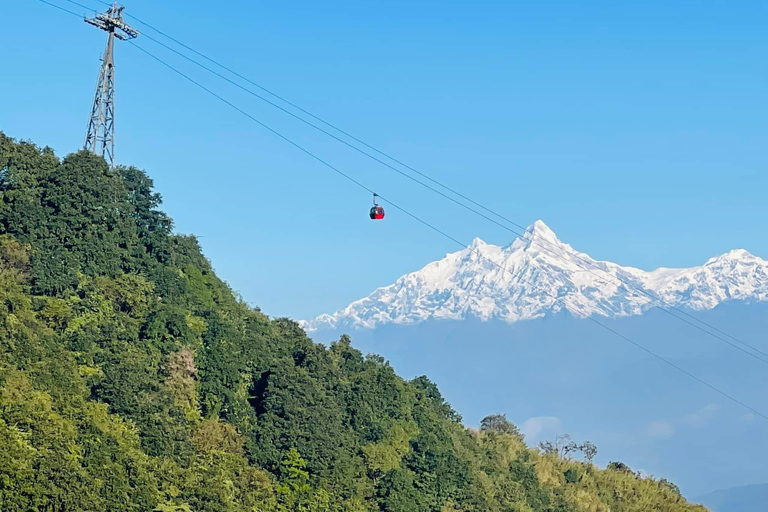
pixel 377 212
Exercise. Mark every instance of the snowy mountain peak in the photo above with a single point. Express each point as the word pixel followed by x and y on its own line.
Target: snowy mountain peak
pixel 540 231
pixel 733 255
pixel 477 242
pixel 536 275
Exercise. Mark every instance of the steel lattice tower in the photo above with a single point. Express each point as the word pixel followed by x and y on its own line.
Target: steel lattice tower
pixel 100 138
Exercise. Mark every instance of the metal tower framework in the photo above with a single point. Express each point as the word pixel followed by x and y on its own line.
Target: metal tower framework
pixel 100 137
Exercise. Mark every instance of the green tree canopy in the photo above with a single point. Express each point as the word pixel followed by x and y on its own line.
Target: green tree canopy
pixel 133 379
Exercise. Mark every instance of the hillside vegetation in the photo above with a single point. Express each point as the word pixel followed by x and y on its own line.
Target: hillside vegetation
pixel 133 379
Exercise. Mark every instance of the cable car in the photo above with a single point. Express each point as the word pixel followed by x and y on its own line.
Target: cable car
pixel 377 212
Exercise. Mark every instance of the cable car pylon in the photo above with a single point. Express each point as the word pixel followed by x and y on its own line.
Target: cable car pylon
pixel 100 136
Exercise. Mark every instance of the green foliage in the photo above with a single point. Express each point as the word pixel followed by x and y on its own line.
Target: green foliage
pixel 620 466
pixel 571 476
pixel 499 423
pixel 132 378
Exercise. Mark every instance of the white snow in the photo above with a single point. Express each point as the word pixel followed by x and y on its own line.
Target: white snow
pixel 538 274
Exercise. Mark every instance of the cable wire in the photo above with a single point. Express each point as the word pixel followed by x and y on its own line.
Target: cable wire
pixel 583 263
pixel 85 6
pixel 60 8
pixel 443 233
pixel 425 223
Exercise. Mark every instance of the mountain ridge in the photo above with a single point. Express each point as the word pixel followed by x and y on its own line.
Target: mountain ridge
pixel 538 274
pixel 745 498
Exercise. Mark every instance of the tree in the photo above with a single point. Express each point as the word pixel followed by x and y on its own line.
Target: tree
pixel 563 447
pixel 153 226
pixel 664 483
pixel 619 466
pixel 572 476
pixel 589 450
pixel 499 423
pixel 293 471
pixel 430 391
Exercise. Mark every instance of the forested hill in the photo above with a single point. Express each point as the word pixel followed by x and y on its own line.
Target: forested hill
pixel 132 378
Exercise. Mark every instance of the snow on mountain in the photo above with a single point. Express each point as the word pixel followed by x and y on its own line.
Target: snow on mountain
pixel 538 274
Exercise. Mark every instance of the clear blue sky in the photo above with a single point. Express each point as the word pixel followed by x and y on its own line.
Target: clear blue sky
pixel 636 130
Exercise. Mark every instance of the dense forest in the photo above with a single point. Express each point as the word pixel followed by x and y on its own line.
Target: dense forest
pixel 133 379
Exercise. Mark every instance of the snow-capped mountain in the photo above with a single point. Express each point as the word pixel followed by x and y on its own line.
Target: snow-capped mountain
pixel 538 274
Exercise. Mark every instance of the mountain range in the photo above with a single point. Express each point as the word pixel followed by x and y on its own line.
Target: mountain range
pixel 536 275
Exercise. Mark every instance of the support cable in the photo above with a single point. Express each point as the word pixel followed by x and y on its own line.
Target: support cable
pixel 444 234
pixel 430 226
pixel 629 287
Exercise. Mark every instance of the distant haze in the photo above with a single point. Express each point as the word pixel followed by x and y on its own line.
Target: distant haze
pixel 750 498
pixel 514 341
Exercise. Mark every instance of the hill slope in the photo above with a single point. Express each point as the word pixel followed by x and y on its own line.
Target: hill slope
pixel 131 378
pixel 538 274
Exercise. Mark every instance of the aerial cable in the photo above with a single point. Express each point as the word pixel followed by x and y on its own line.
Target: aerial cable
pixel 581 262
pixel 584 264
pixel 63 8
pixel 446 235
pixel 108 4
pixel 427 224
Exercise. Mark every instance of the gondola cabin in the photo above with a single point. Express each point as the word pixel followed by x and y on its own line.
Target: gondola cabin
pixel 377 212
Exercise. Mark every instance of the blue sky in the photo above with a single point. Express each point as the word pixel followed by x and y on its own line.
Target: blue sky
pixel 635 130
